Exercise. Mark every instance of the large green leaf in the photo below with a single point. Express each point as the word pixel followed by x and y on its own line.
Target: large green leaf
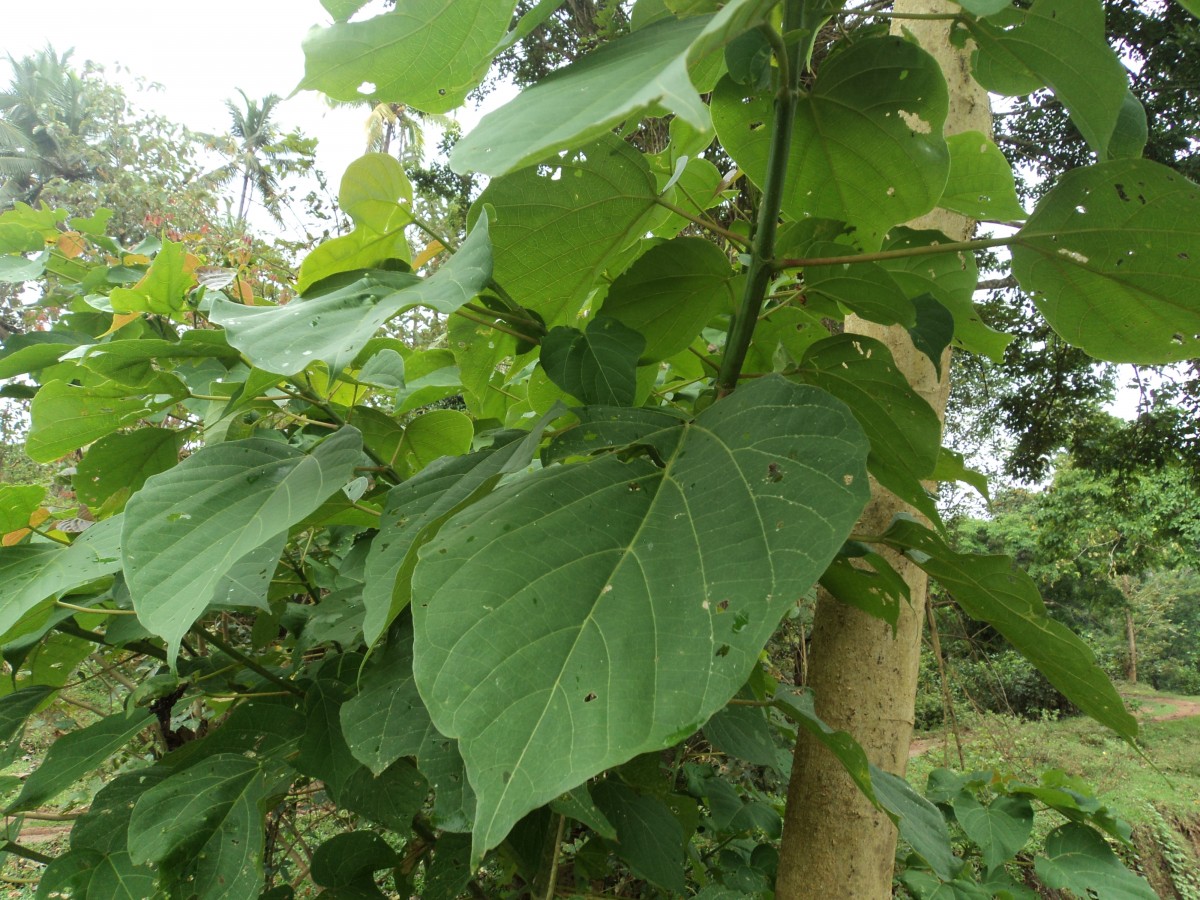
pixel 422 54
pixel 33 573
pixel 204 826
pixel 66 416
pixel 190 525
pixel 416 509
pixel 950 278
pixel 391 797
pixel 646 71
pixel 556 226
pixel 981 181
pixel 124 462
pixel 993 590
pixel 867 289
pixel 1110 256
pixel 77 754
pixel 16 707
pixel 596 366
pixel 334 327
pixel 386 720
pixel 1078 859
pixel 999 829
pixel 90 875
pixel 610 607
pixel 670 293
pixel 867 146
pixel 1062 44
pixel 904 431
pixel 649 837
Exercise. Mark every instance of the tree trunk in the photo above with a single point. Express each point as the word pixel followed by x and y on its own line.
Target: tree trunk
pixel 835 843
pixel 1131 640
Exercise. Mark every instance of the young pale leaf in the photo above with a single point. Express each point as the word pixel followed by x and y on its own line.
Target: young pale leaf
pixel 1110 256
pixel 672 292
pixel 17 503
pixel 596 366
pixel 1062 44
pixel 161 290
pixel 904 430
pixel 377 195
pixel 334 327
pixel 203 826
pixel 993 590
pixel 620 633
pixel 437 433
pixel 999 829
pixel 31 574
pixel 66 416
pixel 1078 859
pixel 77 754
pixel 556 226
pixel 425 55
pixel 868 147
pixel 189 526
pixel 981 183
pixel 646 71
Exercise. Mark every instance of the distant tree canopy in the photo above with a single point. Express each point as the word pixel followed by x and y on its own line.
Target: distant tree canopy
pixel 1047 396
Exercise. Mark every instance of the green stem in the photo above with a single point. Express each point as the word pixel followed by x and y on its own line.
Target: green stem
pixel 497 326
pixel 930 250
pixel 69 626
pixel 703 222
pixel 233 653
pixel 306 394
pixel 513 318
pixel 25 852
pixel 741 328
pixel 936 17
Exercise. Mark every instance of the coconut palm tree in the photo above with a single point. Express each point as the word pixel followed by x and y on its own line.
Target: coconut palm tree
pixel 44 121
pixel 257 137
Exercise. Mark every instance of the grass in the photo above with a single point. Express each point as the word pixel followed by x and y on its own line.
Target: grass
pixel 1155 787
pixel 1164 771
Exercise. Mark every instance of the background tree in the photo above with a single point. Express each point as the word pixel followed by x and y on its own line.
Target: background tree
pixel 264 155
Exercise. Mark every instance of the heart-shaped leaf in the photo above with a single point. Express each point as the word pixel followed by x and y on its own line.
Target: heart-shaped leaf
pixel 607 636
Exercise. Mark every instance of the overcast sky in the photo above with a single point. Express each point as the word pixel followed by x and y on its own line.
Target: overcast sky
pixel 200 54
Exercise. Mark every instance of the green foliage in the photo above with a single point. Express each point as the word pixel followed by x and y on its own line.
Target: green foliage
pixel 507 637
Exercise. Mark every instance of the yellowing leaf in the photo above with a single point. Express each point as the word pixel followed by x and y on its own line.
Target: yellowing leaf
pixel 434 248
pixel 71 244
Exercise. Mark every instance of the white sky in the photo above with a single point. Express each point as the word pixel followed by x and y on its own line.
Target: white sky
pixel 200 54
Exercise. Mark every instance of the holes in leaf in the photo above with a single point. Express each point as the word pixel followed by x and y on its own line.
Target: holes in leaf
pixel 723 650
pixel 366 88
pixel 774 473
pixel 1120 188
pixel 591 695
